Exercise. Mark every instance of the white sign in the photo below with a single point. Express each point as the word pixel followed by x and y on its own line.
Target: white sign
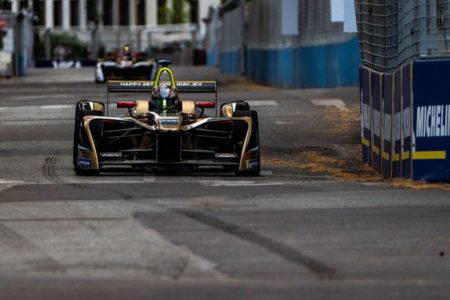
pixel 349 16
pixel 337 10
pixel 433 121
pixel 289 17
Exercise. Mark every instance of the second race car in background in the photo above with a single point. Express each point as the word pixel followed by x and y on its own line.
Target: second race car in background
pixel 125 65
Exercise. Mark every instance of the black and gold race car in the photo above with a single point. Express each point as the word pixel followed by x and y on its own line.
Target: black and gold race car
pixel 165 132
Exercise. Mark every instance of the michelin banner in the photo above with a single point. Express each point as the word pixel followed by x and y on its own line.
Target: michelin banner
pixel 377 95
pixel 406 133
pixel 364 74
pixel 431 124
pixel 405 120
pixel 388 109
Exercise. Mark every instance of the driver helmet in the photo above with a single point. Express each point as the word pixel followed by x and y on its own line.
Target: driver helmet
pixel 126 48
pixel 164 96
pixel 126 52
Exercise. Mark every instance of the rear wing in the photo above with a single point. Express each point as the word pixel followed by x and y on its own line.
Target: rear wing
pixel 142 86
pixel 137 86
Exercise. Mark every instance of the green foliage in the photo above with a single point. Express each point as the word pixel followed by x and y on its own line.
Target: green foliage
pixel 179 12
pixel 91 8
pixel 175 15
pixel 164 15
pixel 70 40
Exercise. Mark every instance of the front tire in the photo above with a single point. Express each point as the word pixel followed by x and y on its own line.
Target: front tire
pixel 254 142
pixel 79 114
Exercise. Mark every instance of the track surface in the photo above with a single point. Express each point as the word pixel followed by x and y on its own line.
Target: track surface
pixel 291 233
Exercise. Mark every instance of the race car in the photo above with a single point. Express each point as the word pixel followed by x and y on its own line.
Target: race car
pixel 125 65
pixel 164 132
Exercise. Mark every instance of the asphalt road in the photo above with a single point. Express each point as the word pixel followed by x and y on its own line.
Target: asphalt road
pixel 315 225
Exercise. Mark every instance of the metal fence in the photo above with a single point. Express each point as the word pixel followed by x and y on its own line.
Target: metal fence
pixel 395 32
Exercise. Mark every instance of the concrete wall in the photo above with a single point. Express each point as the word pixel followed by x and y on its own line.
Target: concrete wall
pixel 230 62
pixel 321 66
pixel 290 44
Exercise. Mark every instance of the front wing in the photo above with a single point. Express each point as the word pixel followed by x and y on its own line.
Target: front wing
pixel 106 141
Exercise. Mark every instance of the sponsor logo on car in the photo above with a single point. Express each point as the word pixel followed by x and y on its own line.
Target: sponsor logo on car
pixel 184 83
pixel 226 155
pixel 84 163
pixel 136 84
pixel 111 155
pixel 252 164
pixel 169 121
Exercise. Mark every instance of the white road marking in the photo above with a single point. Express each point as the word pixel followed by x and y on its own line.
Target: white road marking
pixel 237 183
pixel 54 106
pixel 266 172
pixel 262 103
pixel 338 103
pixel 31 97
pixel 38 113
pixel 36 123
pixel 62 106
pixel 373 183
pixel 107 179
pixel 3 181
pixel 5 184
pixel 284 123
pixel 148 179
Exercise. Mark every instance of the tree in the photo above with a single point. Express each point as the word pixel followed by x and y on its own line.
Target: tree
pixel 177 14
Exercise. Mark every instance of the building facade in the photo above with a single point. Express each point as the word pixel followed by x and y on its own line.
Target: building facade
pixel 66 14
pixel 118 21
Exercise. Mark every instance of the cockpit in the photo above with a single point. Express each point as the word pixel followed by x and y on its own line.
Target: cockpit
pixel 165 100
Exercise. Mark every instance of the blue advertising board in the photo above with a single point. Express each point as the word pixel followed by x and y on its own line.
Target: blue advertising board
pixel 406 157
pixel 377 94
pixel 397 104
pixel 388 108
pixel 431 126
pixel 365 114
pixel 405 120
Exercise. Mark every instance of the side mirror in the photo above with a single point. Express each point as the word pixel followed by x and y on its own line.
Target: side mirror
pixel 228 109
